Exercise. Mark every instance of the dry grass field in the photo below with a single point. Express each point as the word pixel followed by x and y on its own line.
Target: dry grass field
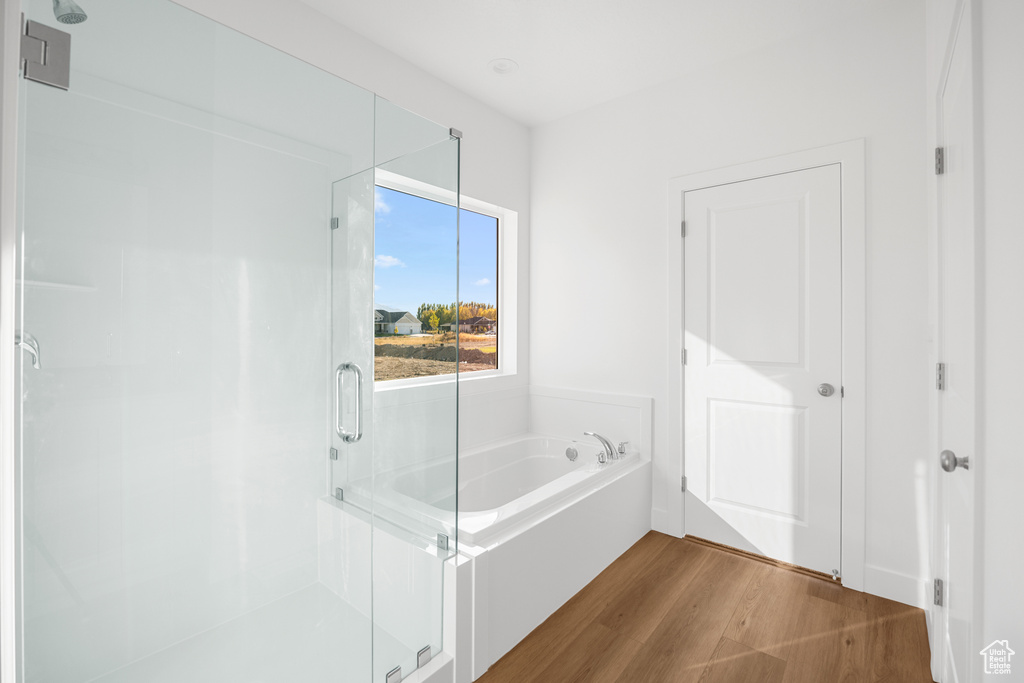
pixel 466 341
pixel 385 368
pixel 390 361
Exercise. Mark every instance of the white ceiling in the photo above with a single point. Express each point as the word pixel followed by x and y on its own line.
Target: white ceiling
pixel 574 54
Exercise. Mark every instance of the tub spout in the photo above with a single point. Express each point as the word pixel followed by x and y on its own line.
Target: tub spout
pixel 609 450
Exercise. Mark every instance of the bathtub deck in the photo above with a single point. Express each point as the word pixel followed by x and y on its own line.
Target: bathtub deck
pixel 674 610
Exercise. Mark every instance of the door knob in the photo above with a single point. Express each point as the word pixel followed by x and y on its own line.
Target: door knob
pixel 950 462
pixel 826 389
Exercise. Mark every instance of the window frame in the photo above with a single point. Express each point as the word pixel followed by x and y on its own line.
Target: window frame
pixel 507 289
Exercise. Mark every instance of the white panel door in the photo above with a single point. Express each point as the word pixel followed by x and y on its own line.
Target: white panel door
pixel 957 329
pixel 762 329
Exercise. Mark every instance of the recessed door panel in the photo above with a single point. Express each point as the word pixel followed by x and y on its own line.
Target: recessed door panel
pixel 755 282
pixel 758 458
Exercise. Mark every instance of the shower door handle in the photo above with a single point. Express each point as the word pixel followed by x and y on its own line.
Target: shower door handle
pixel 339 386
pixel 29 343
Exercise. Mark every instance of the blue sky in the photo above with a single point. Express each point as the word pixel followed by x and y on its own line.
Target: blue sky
pixel 415 253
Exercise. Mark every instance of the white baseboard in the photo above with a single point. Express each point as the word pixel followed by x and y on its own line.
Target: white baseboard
pixel 660 522
pixel 910 590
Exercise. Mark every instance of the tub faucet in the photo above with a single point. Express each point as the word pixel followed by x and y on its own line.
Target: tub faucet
pixel 609 449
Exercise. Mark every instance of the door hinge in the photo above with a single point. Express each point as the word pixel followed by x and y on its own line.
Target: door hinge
pixel 682 228
pixel 334 454
pixel 940 376
pixel 684 356
pixel 46 55
pixel 335 223
pixel 940 160
pixel 938 592
pixel 682 483
pixel 842 392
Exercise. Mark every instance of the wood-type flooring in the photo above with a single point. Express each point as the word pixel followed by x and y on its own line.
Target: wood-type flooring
pixel 674 610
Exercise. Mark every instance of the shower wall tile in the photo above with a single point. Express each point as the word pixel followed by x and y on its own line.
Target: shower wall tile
pixel 174 440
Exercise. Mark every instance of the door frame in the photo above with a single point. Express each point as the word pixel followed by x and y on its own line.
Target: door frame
pixel 10 521
pixel 850 157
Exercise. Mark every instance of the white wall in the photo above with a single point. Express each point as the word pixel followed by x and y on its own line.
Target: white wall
pixel 599 187
pixel 1002 468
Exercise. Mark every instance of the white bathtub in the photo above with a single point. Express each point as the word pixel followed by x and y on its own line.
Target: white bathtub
pixel 503 485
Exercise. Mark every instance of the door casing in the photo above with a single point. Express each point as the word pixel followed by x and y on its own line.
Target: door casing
pixel 850 157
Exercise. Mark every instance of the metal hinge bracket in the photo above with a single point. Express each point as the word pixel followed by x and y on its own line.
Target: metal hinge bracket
pixel 684 356
pixel 682 228
pixel 940 376
pixel 683 484
pixel 423 657
pixel 334 454
pixel 339 493
pixel 940 160
pixel 455 133
pixel 46 55
pixel 938 592
pixel 394 676
pixel 335 223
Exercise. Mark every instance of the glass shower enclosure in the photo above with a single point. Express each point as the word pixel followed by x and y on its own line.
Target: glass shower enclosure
pixel 211 486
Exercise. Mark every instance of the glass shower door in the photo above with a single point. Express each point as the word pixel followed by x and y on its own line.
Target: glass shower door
pixel 394 442
pixel 415 420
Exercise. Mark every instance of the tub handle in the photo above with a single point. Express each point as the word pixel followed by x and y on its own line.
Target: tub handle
pixel 339 386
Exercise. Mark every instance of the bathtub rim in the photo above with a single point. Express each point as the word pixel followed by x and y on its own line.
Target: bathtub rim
pixel 530 508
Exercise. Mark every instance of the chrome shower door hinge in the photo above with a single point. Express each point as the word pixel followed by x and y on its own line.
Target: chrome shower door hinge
pixel 334 454
pixel 46 55
pixel 394 676
pixel 442 542
pixel 339 493
pixel 423 657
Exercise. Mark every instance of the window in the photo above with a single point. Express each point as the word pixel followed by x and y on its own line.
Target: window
pixel 421 309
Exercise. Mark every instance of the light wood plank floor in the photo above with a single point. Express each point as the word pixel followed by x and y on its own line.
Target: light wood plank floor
pixel 674 610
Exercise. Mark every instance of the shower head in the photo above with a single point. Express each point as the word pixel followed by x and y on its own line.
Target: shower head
pixel 68 12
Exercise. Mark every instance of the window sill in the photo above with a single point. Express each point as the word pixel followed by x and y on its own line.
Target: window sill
pixel 440 380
